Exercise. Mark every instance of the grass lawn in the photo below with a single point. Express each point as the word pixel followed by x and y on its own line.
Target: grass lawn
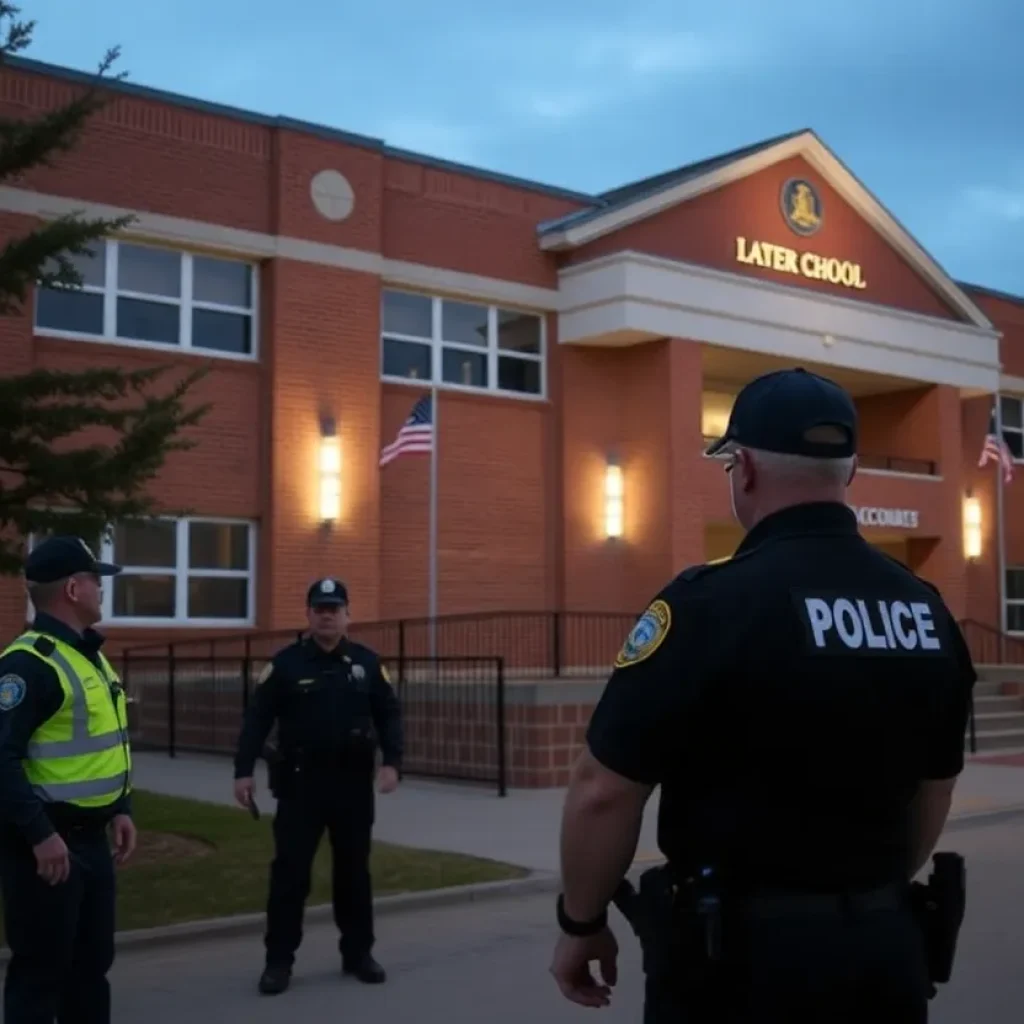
pixel 197 860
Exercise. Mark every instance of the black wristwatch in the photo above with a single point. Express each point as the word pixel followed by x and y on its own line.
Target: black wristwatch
pixel 579 929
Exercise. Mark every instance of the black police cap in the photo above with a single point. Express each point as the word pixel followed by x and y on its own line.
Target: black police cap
pixel 57 558
pixel 780 411
pixel 327 592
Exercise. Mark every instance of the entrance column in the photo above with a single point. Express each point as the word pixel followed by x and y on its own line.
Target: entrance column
pixel 690 475
pixel 943 563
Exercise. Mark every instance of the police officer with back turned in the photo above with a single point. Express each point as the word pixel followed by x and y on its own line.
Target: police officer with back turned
pixel 65 779
pixel 334 705
pixel 803 707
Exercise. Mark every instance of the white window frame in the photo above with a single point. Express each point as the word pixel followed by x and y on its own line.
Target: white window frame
pixel 1012 602
pixel 1018 431
pixel 184 301
pixel 437 345
pixel 181 573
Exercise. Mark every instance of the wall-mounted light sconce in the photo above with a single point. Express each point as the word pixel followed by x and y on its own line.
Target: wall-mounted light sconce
pixel 329 465
pixel 613 500
pixel 972 528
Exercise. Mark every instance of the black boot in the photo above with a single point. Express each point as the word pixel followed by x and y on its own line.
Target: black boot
pixel 365 968
pixel 275 979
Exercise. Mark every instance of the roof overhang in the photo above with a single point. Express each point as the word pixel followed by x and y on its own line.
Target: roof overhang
pixel 629 298
pixel 574 232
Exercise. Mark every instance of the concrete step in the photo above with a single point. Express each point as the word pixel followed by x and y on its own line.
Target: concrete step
pixel 995 688
pixel 990 740
pixel 997 705
pixel 994 721
pixel 1000 673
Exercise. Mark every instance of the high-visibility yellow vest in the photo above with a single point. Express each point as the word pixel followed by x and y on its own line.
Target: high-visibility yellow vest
pixel 81 754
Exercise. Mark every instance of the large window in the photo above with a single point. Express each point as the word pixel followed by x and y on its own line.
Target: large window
pixel 1015 600
pixel 1011 409
pixel 144 295
pixel 461 344
pixel 179 572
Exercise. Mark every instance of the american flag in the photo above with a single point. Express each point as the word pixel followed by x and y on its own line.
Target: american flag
pixel 996 448
pixel 415 435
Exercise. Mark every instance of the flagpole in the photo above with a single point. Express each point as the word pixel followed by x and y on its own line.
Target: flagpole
pixel 432 568
pixel 1001 537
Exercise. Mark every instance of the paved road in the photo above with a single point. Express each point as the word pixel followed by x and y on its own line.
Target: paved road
pixel 465 964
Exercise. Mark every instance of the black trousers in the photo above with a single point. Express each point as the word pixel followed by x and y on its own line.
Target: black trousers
pixel 303 814
pixel 846 967
pixel 61 937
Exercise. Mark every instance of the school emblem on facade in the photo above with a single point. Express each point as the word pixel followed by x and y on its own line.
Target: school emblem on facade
pixel 801 206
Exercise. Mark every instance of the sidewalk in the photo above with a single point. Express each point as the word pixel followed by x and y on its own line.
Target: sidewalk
pixel 521 828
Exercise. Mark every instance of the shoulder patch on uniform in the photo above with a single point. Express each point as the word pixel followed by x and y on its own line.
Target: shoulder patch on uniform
pixel 12 691
pixel 646 636
pixel 268 670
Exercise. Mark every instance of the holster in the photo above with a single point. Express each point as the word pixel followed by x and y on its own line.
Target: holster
pixel 678 920
pixel 280 771
pixel 939 906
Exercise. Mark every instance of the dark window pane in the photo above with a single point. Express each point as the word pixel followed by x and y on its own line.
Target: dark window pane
pixel 405 313
pixel 146 544
pixel 214 597
pixel 519 375
pixel 518 332
pixel 1010 408
pixel 148 271
pixel 468 368
pixel 222 332
pixel 92 267
pixel 225 282
pixel 464 323
pixel 69 310
pixel 1015 618
pixel 144 597
pixel 405 359
pixel 218 546
pixel 1015 442
pixel 148 321
pixel 1015 584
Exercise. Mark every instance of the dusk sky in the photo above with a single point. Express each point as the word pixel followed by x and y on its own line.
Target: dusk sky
pixel 922 99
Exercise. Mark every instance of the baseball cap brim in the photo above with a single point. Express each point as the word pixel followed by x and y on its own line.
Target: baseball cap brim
pixel 719 447
pixel 106 569
pixel 325 600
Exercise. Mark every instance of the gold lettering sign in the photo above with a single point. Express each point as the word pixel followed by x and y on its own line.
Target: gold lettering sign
pixel 802 264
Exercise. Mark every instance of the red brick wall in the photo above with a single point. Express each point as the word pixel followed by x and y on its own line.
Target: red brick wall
pixel 704 232
pixel 491 484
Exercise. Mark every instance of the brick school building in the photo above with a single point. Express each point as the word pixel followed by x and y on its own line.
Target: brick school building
pixel 580 348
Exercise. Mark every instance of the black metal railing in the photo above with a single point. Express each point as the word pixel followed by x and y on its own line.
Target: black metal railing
pixel 990 646
pixel 534 645
pixel 453 708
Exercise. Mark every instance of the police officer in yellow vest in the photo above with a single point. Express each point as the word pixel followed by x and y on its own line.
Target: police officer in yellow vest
pixel 65 779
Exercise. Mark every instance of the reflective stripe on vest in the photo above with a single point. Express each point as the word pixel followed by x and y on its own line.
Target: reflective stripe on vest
pixel 45 758
pixel 81 742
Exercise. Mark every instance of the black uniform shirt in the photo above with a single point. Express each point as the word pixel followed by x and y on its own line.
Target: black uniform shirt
pixel 789 701
pixel 43 696
pixel 330 706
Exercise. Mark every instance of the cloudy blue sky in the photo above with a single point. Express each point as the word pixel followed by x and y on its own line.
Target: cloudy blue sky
pixel 922 99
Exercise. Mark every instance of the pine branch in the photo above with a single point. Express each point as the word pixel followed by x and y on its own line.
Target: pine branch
pixel 77 449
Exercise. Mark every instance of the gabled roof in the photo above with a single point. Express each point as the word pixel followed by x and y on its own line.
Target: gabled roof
pixel 621 207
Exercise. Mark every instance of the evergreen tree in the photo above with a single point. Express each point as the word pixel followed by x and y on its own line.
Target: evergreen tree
pixel 77 449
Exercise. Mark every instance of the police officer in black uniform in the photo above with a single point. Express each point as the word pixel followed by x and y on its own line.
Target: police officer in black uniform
pixel 334 705
pixel 803 707
pixel 64 794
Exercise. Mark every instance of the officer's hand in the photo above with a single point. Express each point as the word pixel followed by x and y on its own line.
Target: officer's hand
pixel 571 967
pixel 53 863
pixel 387 780
pixel 124 836
pixel 244 790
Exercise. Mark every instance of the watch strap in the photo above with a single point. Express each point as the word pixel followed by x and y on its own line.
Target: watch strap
pixel 579 929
